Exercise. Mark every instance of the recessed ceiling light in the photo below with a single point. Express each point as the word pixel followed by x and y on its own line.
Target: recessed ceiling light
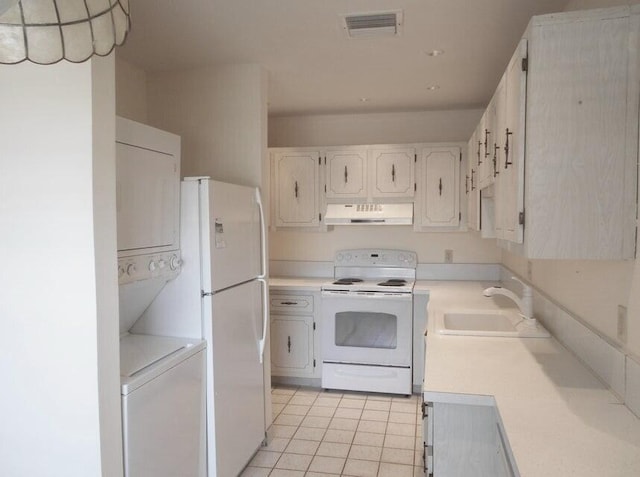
pixel 364 100
pixel 433 87
pixel 435 52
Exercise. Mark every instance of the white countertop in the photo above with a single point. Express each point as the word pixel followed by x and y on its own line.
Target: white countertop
pixel 560 420
pixel 302 284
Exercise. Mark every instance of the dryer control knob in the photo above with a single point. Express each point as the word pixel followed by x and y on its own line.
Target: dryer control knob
pixel 175 262
pixel 402 258
pixel 131 269
pixel 162 263
pixel 120 271
pixel 339 257
pixel 152 266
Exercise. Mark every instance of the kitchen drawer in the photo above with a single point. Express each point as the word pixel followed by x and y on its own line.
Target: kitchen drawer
pixel 291 303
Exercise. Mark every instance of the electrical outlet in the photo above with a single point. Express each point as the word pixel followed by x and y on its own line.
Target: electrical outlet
pixel 448 256
pixel 622 323
pixel 529 270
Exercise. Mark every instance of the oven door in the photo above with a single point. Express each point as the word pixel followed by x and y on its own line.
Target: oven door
pixel 367 328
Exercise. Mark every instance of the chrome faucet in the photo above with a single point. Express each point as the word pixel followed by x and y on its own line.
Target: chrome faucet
pixel 525 303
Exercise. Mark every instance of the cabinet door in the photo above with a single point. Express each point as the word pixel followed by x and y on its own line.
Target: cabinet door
pixel 292 345
pixel 148 189
pixel 440 168
pixel 393 172
pixel 346 173
pixel 296 188
pixel 485 170
pixel 510 196
pixel 582 139
pixel 471 185
pixel 497 154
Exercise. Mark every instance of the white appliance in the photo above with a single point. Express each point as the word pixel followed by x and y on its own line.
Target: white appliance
pixel 369 214
pixel 223 232
pixel 163 405
pixel 162 377
pixel 367 315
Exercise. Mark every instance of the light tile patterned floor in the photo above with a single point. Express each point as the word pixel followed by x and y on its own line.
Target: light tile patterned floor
pixel 319 433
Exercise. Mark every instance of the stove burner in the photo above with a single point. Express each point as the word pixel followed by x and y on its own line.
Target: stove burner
pixel 347 281
pixel 393 282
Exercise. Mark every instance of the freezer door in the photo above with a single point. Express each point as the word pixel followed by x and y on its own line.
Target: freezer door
pixel 230 224
pixel 235 394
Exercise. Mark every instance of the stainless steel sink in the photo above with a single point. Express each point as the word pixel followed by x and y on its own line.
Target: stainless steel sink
pixel 490 323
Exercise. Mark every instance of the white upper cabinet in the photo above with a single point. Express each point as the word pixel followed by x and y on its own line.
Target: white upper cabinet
pixel 440 187
pixel 296 188
pixel 567 156
pixel 392 172
pixel 346 173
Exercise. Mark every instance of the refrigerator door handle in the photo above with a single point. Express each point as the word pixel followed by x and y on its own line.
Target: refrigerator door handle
pixel 263 341
pixel 263 237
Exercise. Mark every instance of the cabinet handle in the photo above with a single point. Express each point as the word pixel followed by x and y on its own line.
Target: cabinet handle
pixel 288 302
pixel 495 160
pixel 472 185
pixel 393 172
pixel 466 184
pixel 346 175
pixel 295 189
pixel 479 146
pixel 440 186
pixel 289 344
pixel 486 142
pixel 507 162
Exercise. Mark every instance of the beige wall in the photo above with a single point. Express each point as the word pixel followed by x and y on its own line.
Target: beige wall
pixel 326 130
pixel 131 91
pixel 350 129
pixel 220 115
pixel 430 247
pixel 586 4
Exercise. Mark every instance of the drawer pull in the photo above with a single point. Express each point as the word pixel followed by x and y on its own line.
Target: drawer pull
pixel 289 344
pixel 288 302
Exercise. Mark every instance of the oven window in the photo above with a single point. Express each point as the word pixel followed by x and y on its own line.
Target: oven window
pixel 366 329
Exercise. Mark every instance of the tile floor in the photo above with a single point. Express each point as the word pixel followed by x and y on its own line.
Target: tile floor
pixel 319 433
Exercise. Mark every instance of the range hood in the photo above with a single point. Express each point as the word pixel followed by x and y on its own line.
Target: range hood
pixel 369 214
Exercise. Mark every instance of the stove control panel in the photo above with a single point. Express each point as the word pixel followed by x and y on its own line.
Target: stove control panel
pixel 376 258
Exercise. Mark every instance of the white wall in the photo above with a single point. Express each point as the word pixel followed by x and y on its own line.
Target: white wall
pixel 350 129
pixel 326 130
pixel 59 405
pixel 220 115
pixel 131 91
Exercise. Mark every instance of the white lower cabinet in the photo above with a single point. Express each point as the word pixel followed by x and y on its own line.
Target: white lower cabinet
pixel 465 439
pixel 293 327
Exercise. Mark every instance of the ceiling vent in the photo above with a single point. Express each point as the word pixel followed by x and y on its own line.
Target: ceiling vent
pixel 369 25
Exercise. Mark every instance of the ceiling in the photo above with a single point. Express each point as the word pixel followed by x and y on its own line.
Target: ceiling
pixel 314 68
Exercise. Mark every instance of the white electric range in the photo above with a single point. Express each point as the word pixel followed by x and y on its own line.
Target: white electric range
pixel 367 318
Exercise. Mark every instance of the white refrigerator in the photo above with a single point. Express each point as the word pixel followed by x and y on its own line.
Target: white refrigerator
pixel 233 290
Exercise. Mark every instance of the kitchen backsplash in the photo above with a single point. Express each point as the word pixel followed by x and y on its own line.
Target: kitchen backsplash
pixel 425 271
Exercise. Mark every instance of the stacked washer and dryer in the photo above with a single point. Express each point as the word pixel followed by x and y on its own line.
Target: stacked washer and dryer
pixel 162 377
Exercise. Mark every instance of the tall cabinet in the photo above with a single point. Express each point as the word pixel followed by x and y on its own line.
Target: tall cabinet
pixel 565 124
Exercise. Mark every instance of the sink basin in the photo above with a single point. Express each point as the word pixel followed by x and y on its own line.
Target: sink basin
pixel 490 323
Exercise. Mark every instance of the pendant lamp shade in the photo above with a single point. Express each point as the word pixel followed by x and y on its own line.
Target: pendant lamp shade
pixel 48 31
